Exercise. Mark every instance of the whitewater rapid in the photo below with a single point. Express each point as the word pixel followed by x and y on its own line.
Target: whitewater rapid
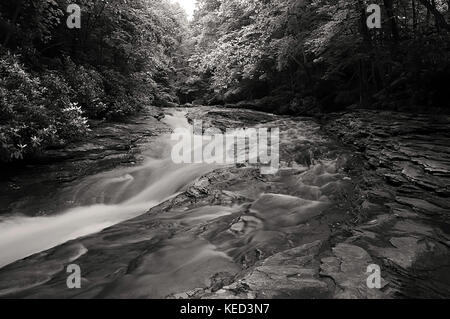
pixel 113 197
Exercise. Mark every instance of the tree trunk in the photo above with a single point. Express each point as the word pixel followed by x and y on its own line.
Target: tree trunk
pixel 363 29
pixel 13 22
pixel 389 6
pixel 414 13
pixel 362 84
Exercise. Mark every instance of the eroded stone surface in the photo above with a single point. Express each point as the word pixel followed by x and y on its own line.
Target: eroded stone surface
pixel 348 269
pixel 407 172
pixel 309 231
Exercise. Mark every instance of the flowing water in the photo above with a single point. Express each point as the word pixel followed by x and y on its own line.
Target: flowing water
pixel 221 226
pixel 246 214
pixel 107 199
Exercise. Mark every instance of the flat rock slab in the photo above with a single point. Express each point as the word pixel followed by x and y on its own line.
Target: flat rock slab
pixel 407 173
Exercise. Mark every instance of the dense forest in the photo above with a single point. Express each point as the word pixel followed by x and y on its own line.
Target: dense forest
pixel 282 56
pixel 53 79
pixel 307 56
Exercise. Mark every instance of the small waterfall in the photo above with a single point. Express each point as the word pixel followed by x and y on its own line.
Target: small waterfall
pixel 106 199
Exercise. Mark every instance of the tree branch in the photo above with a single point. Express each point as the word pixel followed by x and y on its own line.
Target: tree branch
pixel 440 19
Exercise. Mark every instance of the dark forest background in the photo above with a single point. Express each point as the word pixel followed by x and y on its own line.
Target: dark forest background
pixel 299 57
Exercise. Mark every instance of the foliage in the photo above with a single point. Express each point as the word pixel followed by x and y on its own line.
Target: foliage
pixel 321 52
pixel 53 78
pixel 35 111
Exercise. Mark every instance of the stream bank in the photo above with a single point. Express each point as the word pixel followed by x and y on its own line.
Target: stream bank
pixel 309 231
pixel 405 186
pixel 30 189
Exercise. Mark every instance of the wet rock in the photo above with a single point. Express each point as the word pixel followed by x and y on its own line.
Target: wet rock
pixel 348 269
pixel 289 274
pixel 405 251
pixel 409 174
pixel 284 210
pixel 420 204
pixel 411 227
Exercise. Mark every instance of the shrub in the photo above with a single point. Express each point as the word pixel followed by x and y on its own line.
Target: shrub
pixel 35 112
pixel 88 89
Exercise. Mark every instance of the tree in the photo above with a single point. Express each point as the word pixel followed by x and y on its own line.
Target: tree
pixel 119 61
pixel 319 51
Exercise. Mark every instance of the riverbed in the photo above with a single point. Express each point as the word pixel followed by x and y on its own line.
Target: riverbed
pixel 141 226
